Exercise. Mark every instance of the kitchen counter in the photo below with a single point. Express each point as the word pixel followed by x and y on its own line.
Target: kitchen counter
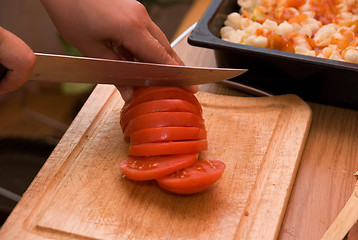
pixel 323 183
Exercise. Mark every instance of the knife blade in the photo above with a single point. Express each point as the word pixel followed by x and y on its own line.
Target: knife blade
pixel 62 68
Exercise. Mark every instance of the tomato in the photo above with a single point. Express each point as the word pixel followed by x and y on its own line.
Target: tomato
pixel 163 119
pixel 165 148
pixel 145 94
pixel 163 134
pixel 193 179
pixel 166 132
pixel 148 168
pixel 162 105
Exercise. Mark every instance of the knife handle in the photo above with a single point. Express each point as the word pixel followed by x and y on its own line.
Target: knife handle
pixel 3 71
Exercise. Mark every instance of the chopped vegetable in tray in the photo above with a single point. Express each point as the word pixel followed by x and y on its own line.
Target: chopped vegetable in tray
pixel 321 28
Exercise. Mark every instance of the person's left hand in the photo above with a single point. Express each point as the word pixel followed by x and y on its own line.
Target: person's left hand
pixel 112 29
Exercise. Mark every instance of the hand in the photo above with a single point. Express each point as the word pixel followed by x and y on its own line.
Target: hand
pixel 18 58
pixel 113 29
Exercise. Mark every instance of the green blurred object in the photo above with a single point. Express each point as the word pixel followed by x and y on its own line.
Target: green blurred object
pixel 74 88
pixel 69 49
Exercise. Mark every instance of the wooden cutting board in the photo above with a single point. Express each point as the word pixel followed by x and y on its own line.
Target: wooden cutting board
pixel 80 193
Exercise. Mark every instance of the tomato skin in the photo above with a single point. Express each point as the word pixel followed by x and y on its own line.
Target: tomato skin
pixel 166 148
pixel 163 134
pixel 166 131
pixel 161 105
pixel 145 94
pixel 149 168
pixel 163 119
pixel 193 179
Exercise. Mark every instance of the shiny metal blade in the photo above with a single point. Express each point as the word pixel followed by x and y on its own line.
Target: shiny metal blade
pixel 60 68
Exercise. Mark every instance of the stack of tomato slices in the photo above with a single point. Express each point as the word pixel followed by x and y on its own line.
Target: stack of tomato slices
pixel 166 132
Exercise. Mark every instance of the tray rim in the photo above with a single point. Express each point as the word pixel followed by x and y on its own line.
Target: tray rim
pixel 201 36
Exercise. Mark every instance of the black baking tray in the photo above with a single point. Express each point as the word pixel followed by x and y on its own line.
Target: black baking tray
pixel 276 72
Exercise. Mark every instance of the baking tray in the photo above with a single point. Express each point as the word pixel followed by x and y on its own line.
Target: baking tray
pixel 276 72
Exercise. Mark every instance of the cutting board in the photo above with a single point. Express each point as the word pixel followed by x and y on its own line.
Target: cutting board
pixel 80 193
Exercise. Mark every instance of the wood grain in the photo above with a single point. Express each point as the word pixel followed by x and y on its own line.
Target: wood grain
pixel 345 219
pixel 325 179
pixel 81 194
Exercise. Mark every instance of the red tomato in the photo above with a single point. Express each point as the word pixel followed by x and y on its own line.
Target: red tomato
pixel 193 179
pixel 163 119
pixel 166 148
pixel 145 94
pixel 164 134
pixel 162 105
pixel 148 168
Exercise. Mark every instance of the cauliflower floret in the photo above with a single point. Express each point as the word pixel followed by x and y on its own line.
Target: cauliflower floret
pixel 305 51
pixel 248 5
pixel 309 26
pixel 332 52
pixel 284 28
pixel 233 20
pixel 305 7
pixel 342 7
pixel 269 25
pixel 323 36
pixel 237 36
pixel 310 35
pixel 245 22
pixel 251 30
pixel 345 18
pixel 258 13
pixel 257 41
pixel 336 56
pixel 310 14
pixel 226 31
pixel 351 55
pixel 301 41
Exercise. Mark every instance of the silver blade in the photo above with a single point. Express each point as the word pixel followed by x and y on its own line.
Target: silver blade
pixel 59 68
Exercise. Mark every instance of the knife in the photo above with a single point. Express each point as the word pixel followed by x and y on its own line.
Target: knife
pixel 61 68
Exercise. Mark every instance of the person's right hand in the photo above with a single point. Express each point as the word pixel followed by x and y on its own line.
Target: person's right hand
pixel 18 58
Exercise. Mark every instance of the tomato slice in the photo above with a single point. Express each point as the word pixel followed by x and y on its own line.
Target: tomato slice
pixel 145 94
pixel 163 119
pixel 165 148
pixel 162 105
pixel 165 134
pixel 148 168
pixel 193 179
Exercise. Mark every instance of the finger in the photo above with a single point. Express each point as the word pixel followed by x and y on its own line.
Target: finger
pixel 160 36
pixel 146 48
pixel 123 53
pixel 193 89
pixel 98 49
pixel 126 92
pixel 18 58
